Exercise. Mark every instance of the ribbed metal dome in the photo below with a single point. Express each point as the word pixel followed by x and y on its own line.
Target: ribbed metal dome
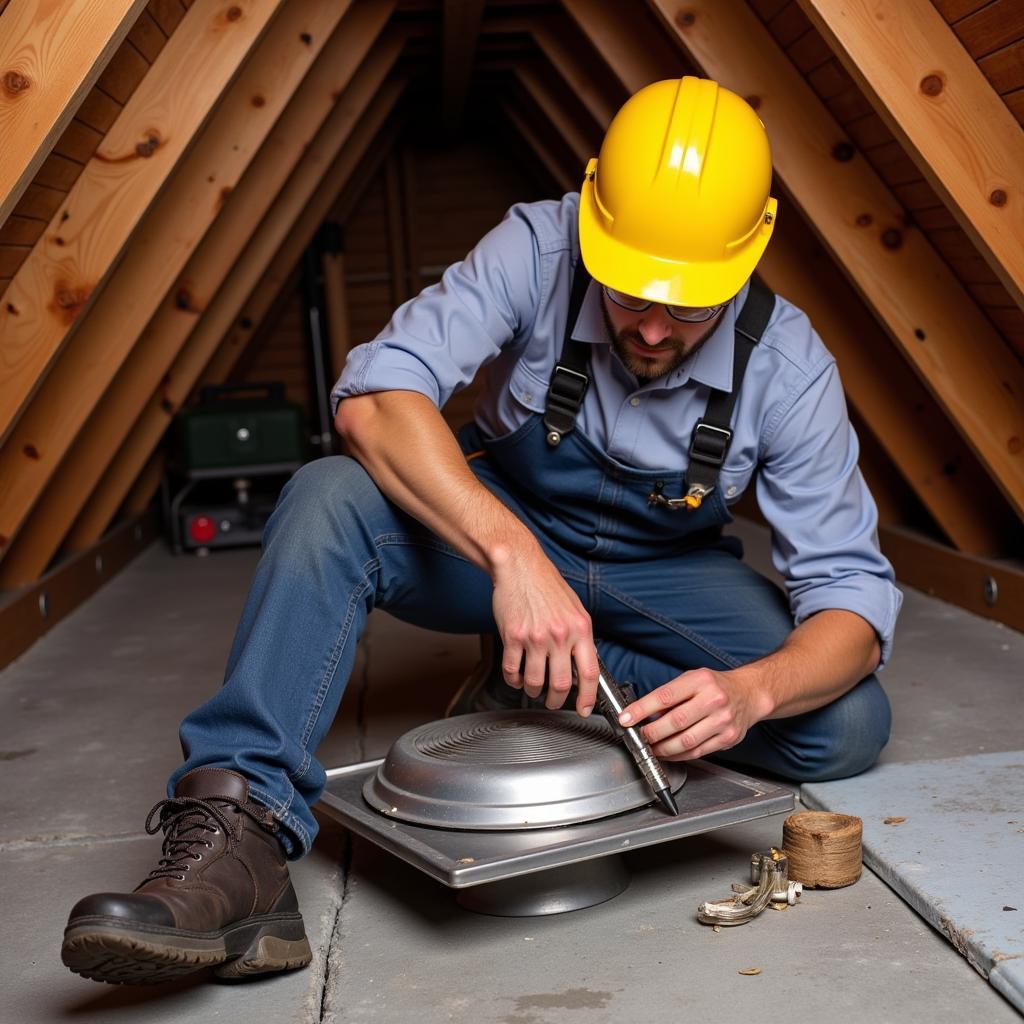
pixel 503 770
pixel 514 740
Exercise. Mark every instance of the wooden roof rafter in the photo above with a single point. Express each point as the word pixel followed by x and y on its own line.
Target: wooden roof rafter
pixel 459 35
pixel 86 236
pixel 550 41
pixel 276 248
pixel 339 86
pixel 63 50
pixel 946 115
pixel 175 226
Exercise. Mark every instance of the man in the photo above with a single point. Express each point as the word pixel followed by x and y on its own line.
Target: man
pixel 585 501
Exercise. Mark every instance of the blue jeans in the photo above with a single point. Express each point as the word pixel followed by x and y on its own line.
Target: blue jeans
pixel 335 548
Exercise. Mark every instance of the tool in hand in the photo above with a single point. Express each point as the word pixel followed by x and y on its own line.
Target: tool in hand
pixel 612 700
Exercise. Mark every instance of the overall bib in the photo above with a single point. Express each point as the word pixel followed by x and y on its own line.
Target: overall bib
pixel 666 592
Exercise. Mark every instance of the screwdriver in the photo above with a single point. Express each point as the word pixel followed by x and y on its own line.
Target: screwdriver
pixel 611 702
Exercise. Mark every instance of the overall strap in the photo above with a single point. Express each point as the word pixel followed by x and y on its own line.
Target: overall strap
pixel 712 433
pixel 569 379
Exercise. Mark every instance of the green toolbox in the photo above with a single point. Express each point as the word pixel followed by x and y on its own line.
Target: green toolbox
pixel 240 425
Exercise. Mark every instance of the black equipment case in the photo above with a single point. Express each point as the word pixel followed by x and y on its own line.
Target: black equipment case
pixel 228 430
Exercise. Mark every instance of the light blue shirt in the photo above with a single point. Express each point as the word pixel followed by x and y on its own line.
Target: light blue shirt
pixel 502 310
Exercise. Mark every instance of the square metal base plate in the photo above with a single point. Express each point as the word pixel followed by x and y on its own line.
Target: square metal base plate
pixel 712 798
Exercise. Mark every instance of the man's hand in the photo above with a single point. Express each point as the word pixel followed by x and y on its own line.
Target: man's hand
pixel 544 628
pixel 700 711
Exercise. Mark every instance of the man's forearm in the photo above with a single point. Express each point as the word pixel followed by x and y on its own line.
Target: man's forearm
pixel 822 658
pixel 403 442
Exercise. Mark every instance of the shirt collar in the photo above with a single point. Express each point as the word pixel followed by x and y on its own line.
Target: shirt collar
pixel 712 365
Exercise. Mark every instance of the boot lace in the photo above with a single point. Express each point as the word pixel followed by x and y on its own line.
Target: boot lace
pixel 185 822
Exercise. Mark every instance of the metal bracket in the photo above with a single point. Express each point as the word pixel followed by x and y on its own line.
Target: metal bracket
pixel 770 873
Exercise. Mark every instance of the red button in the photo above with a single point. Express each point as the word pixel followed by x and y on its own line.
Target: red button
pixel 202 529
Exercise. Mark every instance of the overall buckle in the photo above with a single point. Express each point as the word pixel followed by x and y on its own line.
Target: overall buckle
pixel 565 396
pixel 710 444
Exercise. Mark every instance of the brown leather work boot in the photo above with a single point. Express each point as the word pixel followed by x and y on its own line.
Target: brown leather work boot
pixel 220 895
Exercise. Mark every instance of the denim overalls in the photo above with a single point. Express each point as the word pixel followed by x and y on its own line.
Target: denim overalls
pixel 666 592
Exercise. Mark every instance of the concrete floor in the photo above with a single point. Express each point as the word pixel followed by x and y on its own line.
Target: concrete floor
pixel 88 735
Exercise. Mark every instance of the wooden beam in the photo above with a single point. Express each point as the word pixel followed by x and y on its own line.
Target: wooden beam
pixel 564 59
pixel 560 55
pixel 633 48
pixel 71 262
pixel 173 233
pixel 142 491
pixel 559 175
pixel 907 284
pixel 50 57
pixel 145 371
pixel 460 31
pixel 583 145
pixel 28 614
pixel 935 100
pixel 331 159
pixel 410 195
pixel 394 211
pixel 339 336
pixel 368 155
pixel 918 438
pixel 993 589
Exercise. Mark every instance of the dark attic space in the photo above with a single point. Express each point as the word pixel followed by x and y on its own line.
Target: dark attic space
pixel 526 495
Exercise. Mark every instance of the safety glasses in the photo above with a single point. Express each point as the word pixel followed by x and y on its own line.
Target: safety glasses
pixel 686 314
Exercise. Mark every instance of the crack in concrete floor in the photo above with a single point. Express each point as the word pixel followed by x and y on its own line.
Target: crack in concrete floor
pixel 329 965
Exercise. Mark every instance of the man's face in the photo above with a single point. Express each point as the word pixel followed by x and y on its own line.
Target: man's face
pixel 651 343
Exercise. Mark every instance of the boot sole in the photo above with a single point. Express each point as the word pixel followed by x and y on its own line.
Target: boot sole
pixel 103 950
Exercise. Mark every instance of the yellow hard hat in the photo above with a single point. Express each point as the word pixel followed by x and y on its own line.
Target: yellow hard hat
pixel 676 207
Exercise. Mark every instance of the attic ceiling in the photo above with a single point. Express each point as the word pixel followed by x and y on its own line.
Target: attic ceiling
pixel 165 164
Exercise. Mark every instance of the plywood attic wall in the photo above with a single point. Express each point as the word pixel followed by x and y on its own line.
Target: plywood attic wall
pixel 164 164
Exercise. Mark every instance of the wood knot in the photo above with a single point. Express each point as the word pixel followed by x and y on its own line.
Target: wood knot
pixel 234 13
pixel 843 152
pixel 864 219
pixel 306 38
pixel 892 238
pixel 167 405
pixel 148 147
pixel 183 299
pixel 932 85
pixel 997 197
pixel 258 101
pixel 59 241
pixel 31 451
pixel 15 83
pixel 68 302
pixel 919 334
pixel 684 19
pixel 245 323
pixel 12 309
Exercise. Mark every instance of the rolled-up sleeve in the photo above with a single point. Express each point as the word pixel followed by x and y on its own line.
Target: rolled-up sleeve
pixel 436 342
pixel 824 521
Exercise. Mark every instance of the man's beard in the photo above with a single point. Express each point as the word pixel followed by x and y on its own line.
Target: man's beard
pixel 646 369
